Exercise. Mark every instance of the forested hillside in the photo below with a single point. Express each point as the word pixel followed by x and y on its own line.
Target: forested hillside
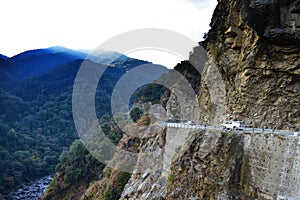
pixel 36 122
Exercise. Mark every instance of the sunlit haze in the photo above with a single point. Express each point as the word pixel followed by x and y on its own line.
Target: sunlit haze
pixel 75 24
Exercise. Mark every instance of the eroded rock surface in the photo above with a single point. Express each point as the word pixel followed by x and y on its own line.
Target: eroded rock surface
pixel 255 46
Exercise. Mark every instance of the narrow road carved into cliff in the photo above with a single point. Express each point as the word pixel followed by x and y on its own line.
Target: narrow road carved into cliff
pixel 221 128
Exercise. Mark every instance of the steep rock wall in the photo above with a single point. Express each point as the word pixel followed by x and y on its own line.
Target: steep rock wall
pixel 214 165
pixel 271 166
pixel 255 46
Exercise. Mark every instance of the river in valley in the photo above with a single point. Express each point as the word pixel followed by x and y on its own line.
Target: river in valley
pixel 33 190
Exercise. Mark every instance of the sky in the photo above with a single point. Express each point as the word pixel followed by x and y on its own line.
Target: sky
pixel 85 24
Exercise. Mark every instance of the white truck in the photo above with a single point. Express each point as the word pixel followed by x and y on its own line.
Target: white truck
pixel 234 125
pixel 190 123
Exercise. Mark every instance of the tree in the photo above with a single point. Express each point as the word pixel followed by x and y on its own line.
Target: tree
pixel 78 164
pixel 136 114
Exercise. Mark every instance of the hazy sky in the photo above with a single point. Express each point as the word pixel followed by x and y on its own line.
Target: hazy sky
pixel 85 24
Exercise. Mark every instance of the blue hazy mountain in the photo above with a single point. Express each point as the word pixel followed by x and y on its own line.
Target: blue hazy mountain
pixel 3 56
pixel 6 79
pixel 104 57
pixel 34 62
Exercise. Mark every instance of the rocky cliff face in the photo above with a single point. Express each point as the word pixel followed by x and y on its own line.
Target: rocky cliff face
pixel 214 165
pixel 191 169
pixel 254 47
pixel 252 74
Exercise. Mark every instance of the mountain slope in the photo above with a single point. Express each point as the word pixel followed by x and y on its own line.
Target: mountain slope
pixel 34 62
pixel 6 77
pixel 36 121
pixel 3 57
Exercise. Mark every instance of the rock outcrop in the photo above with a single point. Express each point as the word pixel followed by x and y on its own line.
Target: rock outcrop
pixel 210 164
pixel 255 46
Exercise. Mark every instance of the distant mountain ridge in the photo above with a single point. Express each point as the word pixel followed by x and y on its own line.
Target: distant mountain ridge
pixel 34 62
pixel 3 56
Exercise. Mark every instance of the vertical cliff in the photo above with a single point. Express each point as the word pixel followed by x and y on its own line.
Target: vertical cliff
pixel 271 166
pixel 255 46
pixel 216 165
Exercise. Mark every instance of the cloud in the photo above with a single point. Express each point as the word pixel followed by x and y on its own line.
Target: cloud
pixel 85 24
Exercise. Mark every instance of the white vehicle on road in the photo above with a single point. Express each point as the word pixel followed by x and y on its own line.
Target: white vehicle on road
pixel 190 123
pixel 234 125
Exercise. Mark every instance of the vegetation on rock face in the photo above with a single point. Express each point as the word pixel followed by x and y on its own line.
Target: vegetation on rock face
pixel 114 187
pixel 170 178
pixel 149 93
pixel 76 169
pixel 191 73
pixel 136 114
pixel 145 120
pixel 108 188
